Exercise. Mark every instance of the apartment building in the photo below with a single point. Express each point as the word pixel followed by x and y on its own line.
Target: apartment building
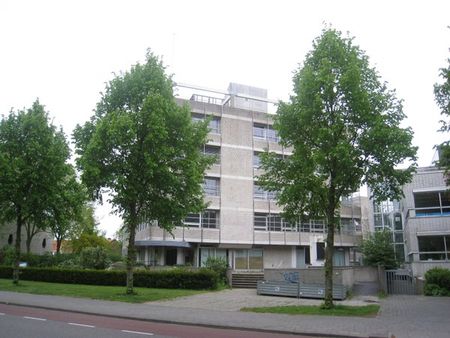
pixel 242 223
pixel 426 214
pixel 420 221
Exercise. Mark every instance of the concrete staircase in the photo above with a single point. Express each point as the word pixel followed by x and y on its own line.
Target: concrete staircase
pixel 246 280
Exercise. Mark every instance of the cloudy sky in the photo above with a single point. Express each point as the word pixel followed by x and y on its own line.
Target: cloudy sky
pixel 63 52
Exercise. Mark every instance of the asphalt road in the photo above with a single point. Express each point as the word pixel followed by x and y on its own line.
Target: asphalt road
pixel 29 322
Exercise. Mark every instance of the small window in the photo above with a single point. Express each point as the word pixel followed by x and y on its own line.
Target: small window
pixel 10 239
pixel 256 160
pixel 212 151
pixel 211 186
pixel 44 243
pixel 320 247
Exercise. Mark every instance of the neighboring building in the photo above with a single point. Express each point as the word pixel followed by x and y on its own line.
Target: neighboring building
pixel 420 222
pixel 41 242
pixel 426 214
pixel 242 223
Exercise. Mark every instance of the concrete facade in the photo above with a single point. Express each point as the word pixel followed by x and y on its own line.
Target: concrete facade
pixel 426 214
pixel 420 221
pixel 242 222
pixel 40 244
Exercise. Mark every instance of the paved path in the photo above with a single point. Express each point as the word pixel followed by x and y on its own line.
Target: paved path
pixel 402 316
pixel 236 299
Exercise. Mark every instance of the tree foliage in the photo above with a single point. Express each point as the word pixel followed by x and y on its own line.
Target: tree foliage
pixel 343 127
pixel 442 98
pixel 143 149
pixel 378 249
pixel 33 155
pixel 67 207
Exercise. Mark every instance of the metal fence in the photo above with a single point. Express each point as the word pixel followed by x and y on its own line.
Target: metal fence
pixel 400 282
pixel 299 290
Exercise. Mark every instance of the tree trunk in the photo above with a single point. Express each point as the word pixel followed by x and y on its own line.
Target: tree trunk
pixel 329 249
pixel 58 245
pixel 17 248
pixel 31 231
pixel 131 256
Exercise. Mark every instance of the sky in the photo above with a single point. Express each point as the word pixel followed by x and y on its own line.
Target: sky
pixel 63 52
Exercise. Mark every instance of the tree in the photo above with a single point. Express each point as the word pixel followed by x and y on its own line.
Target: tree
pixel 342 125
pixel 442 98
pixel 32 162
pixel 378 249
pixel 66 206
pixel 143 149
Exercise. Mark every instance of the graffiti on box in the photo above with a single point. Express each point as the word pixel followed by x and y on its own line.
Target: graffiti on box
pixel 291 277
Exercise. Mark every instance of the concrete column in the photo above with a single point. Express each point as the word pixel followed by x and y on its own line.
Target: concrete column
pixel 180 256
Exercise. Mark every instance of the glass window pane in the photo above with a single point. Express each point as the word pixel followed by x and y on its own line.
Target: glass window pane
pixel 210 219
pixel 260 221
pixel 256 160
pixel 428 202
pixel 192 220
pixel 398 237
pixel 240 260
pixel 255 259
pixel 431 243
pixel 211 186
pixel 274 222
pixel 320 247
pixel 259 131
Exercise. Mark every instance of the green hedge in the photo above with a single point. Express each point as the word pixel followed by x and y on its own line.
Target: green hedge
pixel 168 279
pixel 437 282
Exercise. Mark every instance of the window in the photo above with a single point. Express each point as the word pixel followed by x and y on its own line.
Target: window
pixel 434 248
pixel 274 222
pixel 256 160
pixel 432 203
pixel 261 194
pixel 211 186
pixel 265 132
pixel 214 122
pixel 10 239
pixel 251 259
pixel 212 151
pixel 44 243
pixel 260 221
pixel 205 253
pixel 270 222
pixel 320 248
pixel 208 219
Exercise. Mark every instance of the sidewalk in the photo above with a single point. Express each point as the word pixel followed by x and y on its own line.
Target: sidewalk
pixel 401 316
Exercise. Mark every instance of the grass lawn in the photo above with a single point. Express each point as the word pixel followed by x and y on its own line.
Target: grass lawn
pixel 115 293
pixel 338 310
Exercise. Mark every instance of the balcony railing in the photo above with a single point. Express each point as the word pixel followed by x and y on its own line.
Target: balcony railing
pixel 428 212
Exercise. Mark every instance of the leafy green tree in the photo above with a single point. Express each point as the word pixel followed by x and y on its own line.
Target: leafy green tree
pixel 442 98
pixel 33 156
pixel 66 207
pixel 342 125
pixel 143 149
pixel 378 249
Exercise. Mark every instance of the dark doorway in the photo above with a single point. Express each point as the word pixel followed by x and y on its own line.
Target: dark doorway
pixel 171 256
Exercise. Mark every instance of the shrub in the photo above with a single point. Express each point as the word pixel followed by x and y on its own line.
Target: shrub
pixel 7 255
pixel 169 279
pixel 437 282
pixel 219 266
pixel 93 258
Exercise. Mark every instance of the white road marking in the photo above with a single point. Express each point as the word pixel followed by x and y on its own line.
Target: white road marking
pixel 137 332
pixel 2 314
pixel 35 318
pixel 83 325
